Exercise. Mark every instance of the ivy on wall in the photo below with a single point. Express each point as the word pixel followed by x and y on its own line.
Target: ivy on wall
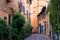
pixel 55 15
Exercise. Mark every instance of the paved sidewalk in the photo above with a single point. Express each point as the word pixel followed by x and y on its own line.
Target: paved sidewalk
pixel 38 37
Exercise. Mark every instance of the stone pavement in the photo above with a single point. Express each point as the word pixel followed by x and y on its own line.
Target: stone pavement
pixel 38 37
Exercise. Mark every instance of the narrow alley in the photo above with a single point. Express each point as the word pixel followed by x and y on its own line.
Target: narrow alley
pixel 38 37
pixel 29 19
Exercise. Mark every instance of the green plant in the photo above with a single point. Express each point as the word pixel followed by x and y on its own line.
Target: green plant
pixel 19 29
pixel 3 28
pixel 27 29
pixel 55 15
pixel 18 20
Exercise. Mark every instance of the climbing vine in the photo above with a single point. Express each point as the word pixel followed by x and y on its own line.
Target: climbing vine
pixel 55 15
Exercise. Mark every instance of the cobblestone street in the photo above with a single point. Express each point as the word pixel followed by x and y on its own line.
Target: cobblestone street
pixel 38 37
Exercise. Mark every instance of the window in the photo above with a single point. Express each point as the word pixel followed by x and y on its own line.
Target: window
pixel 20 6
pixel 40 17
pixel 27 1
pixel 46 24
pixel 8 1
pixel 4 18
pixel 27 13
pixel 9 19
pixel 44 16
pixel 23 9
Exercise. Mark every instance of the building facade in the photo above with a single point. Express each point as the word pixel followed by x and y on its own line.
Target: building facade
pixel 14 4
pixel 24 6
pixel 44 22
pixel 35 8
pixel 5 11
pixel 29 8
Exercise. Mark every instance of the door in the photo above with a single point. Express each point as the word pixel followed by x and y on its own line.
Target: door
pixel 41 31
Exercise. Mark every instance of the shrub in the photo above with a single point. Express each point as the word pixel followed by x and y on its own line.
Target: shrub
pixel 55 15
pixel 26 30
pixel 3 28
pixel 18 20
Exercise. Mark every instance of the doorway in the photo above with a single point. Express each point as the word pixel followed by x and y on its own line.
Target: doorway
pixel 40 30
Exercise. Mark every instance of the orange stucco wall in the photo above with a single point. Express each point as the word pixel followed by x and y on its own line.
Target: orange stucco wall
pixel 48 26
pixel 35 9
pixel 34 22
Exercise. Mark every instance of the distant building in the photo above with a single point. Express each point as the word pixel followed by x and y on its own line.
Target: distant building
pixel 43 21
pixel 35 8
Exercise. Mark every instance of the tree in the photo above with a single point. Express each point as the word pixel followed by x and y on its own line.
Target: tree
pixel 18 20
pixel 20 26
pixel 26 30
